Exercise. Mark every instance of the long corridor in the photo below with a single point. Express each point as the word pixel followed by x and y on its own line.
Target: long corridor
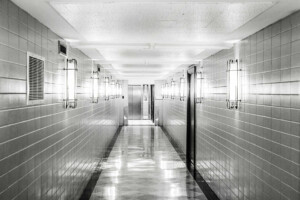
pixel 149 99
pixel 144 165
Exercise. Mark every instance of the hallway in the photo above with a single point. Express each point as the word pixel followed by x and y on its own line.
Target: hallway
pixel 104 99
pixel 144 165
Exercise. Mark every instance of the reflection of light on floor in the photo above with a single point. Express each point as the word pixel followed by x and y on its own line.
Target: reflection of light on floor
pixel 171 165
pixel 139 122
pixel 121 179
pixel 163 165
pixel 141 169
pixel 118 164
pixel 141 163
pixel 175 191
pixel 168 174
pixel 110 192
pixel 112 173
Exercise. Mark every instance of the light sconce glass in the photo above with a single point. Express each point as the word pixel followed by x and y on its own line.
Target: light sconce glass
pixel 71 83
pixel 118 90
pixel 199 85
pixel 102 87
pixel 162 91
pixel 183 88
pixel 95 92
pixel 173 89
pixel 167 90
pixel 233 81
pixel 113 89
pixel 106 83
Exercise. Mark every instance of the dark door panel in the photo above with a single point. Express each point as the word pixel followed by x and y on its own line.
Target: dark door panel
pixel 191 134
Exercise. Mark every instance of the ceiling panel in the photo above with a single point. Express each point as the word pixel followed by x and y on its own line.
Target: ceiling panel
pixel 157 21
pixel 154 32
pixel 150 38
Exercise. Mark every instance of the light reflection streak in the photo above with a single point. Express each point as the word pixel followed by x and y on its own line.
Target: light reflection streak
pixel 110 192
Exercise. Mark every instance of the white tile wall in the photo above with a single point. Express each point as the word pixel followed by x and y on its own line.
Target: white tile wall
pixel 253 152
pixel 174 116
pixel 46 151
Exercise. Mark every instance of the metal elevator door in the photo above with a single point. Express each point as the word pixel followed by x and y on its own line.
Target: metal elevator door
pixel 135 102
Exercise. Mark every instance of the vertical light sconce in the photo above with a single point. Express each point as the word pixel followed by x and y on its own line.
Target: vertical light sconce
pixel 172 89
pixel 120 90
pixel 71 83
pixel 106 83
pixel 113 89
pixel 167 90
pixel 162 92
pixel 182 88
pixel 199 85
pixel 117 90
pixel 95 92
pixel 233 94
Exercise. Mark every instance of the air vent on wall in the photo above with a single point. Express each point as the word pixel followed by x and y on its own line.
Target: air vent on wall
pixel 35 79
pixel 62 49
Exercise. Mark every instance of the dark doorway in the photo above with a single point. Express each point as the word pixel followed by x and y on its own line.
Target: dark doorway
pixel 152 102
pixel 191 115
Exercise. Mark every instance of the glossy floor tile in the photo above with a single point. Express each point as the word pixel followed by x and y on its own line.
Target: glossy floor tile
pixel 144 165
pixel 140 122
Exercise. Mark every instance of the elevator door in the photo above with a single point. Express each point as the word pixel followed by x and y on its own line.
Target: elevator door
pixel 134 102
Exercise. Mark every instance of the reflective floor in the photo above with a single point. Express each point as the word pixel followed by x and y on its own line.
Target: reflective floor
pixel 140 122
pixel 144 165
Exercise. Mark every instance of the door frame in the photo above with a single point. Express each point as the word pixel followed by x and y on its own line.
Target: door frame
pixel 191 120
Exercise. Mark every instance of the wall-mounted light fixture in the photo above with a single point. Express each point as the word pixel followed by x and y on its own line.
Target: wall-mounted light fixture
pixel 183 88
pixel 71 83
pixel 233 87
pixel 106 83
pixel 165 92
pixel 120 90
pixel 95 91
pixel 113 89
pixel 199 85
pixel 162 91
pixel 117 90
pixel 173 89
pixel 168 90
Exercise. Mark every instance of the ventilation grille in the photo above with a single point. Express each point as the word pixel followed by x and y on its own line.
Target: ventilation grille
pixel 35 78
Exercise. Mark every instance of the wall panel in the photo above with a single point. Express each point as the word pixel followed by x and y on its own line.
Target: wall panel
pixel 46 151
pixel 174 116
pixel 253 152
